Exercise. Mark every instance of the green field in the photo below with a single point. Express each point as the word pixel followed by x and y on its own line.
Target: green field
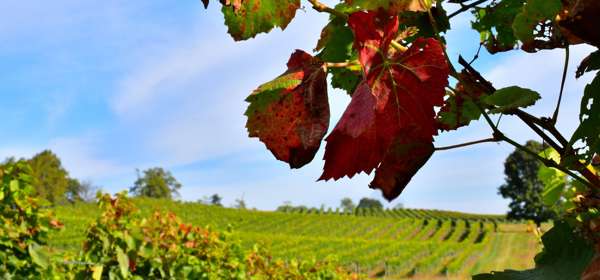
pixel 393 244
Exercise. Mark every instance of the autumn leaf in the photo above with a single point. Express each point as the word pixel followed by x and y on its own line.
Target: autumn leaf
pixel 56 224
pixel 391 111
pixel 582 21
pixel 291 113
pixel 391 6
pixel 247 18
pixel 400 164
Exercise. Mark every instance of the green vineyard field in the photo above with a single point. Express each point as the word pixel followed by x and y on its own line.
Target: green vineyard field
pixel 391 244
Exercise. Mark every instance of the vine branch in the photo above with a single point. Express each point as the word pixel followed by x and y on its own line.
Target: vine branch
pixel 320 7
pixel 445 148
pixel 464 8
pixel 340 64
pixel 592 181
pixel 562 85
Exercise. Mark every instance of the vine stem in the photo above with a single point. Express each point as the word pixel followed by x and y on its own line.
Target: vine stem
pixel 592 181
pixel 320 7
pixel 545 161
pixel 562 85
pixel 398 46
pixel 464 8
pixel 340 64
pixel 445 148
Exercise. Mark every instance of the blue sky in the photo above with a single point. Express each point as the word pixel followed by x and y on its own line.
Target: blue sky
pixel 112 86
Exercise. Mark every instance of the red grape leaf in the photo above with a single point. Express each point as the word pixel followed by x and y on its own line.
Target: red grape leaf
pixel 291 113
pixel 246 18
pixel 399 165
pixel 391 110
pixel 391 6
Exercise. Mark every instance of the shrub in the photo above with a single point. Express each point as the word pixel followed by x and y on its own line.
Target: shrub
pixel 123 245
pixel 24 226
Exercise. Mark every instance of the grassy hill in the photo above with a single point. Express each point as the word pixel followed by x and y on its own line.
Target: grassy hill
pixel 395 244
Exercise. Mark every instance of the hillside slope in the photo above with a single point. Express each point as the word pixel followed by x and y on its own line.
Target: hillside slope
pixel 424 244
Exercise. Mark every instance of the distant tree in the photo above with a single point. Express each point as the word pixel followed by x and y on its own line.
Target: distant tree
pixel 51 180
pixel 215 199
pixel 240 203
pixel 523 187
pixel 288 207
pixel 157 183
pixel 399 205
pixel 80 190
pixel 347 204
pixel 369 203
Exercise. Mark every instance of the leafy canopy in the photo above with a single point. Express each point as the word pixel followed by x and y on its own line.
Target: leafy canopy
pixel 523 187
pixel 156 183
pixel 391 58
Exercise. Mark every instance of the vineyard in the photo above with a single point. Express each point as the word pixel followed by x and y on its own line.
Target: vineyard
pixel 392 244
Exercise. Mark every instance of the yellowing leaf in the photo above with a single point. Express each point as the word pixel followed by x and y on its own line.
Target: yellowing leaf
pixel 247 18
pixel 291 113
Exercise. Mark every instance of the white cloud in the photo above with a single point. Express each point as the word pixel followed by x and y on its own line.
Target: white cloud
pixel 79 156
pixel 162 75
pixel 542 72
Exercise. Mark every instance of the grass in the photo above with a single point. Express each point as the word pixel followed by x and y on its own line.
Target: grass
pixel 394 244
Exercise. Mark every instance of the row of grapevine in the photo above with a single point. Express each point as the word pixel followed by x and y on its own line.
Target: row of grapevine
pixel 390 243
pixel 399 213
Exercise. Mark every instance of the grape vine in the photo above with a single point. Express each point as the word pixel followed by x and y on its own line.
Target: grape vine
pixel 390 56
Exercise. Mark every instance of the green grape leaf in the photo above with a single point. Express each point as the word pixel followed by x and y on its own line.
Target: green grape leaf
pixel 291 113
pixel 588 64
pixel 123 260
pixel 554 180
pixel 247 18
pixel 422 23
pixel 532 13
pixel 494 24
pixel 589 129
pixel 345 79
pixel 565 257
pixel 458 112
pixel 336 42
pixel 511 98
pixel 37 255
pixel 335 45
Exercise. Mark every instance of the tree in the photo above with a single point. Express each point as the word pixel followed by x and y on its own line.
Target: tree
pixel 156 183
pixel 81 190
pixel 369 203
pixel 215 199
pixel 51 180
pixel 240 203
pixel 523 187
pixel 347 204
pixel 391 58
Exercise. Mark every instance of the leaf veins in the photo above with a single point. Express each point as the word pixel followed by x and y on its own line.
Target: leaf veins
pixel 390 122
pixel 291 113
